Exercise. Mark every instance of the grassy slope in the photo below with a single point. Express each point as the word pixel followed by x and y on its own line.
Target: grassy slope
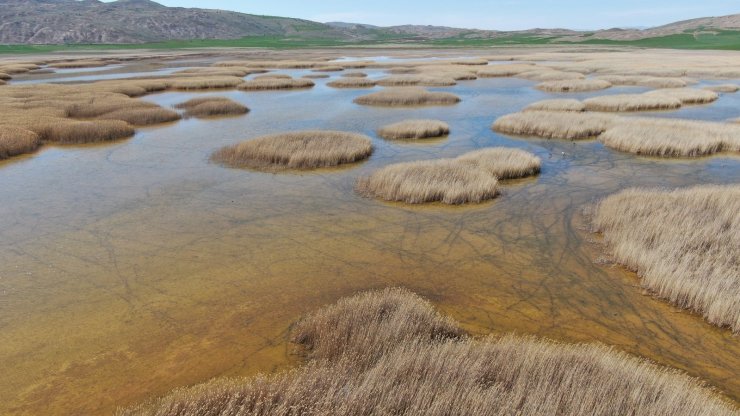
pixel 725 39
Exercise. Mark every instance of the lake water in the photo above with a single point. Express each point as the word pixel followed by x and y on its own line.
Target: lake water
pixel 132 268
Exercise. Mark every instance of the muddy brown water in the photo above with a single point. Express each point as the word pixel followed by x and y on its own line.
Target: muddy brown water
pixel 132 268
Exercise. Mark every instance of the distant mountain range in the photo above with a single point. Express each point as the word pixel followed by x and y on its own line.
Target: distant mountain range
pixel 144 21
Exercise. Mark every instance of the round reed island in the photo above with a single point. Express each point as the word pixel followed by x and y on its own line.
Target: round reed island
pixel 310 149
pixel 470 178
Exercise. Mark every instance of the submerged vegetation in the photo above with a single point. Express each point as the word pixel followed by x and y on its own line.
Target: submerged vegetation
pixel 296 150
pixel 390 352
pixel 694 265
pixel 470 178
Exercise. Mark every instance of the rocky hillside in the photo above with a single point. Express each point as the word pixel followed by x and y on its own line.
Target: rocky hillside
pixel 135 21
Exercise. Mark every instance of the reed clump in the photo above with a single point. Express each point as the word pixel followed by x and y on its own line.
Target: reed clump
pixel 503 162
pixel 470 178
pixel 686 95
pixel 416 80
pixel 506 70
pixel 273 83
pixel 550 75
pixel 142 116
pixel 682 243
pixel 296 150
pixel 84 132
pixel 212 107
pixel 632 102
pixel 273 76
pixel 2 82
pixel 204 83
pixel 352 83
pixel 727 88
pixel 5 77
pixel 671 137
pixel 554 125
pixel 391 352
pixel 16 141
pixel 82 63
pixel 563 104
pixel 574 85
pixel 407 96
pixel 414 129
pixel 354 75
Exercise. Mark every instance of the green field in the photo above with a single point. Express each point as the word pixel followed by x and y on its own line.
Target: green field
pixel 717 39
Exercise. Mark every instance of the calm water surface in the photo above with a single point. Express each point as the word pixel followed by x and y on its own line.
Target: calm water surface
pixel 131 268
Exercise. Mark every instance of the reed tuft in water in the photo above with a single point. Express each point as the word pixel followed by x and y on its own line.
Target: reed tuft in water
pixel 414 129
pixel 683 244
pixel 391 352
pixel 296 150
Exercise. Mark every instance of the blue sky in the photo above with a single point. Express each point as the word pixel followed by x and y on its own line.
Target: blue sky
pixel 491 14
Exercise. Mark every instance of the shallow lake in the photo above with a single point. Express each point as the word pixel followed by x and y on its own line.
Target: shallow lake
pixel 132 268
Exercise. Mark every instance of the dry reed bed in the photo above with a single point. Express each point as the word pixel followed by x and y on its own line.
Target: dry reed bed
pixel 296 150
pixel 632 102
pixel 82 63
pixel 142 116
pixel 16 141
pixel 212 107
pixel 638 135
pixel 644 81
pixel 727 88
pixel 562 104
pixel 5 77
pixel 506 70
pixel 273 83
pixel 574 85
pixel 352 83
pixel 554 125
pixel 671 137
pixel 407 96
pixel 416 80
pixel 391 352
pixel 694 265
pixel 545 74
pixel 686 95
pixel 470 178
pixel 414 129
pixel 354 75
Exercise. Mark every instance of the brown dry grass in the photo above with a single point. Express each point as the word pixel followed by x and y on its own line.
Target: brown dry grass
pixel 445 180
pixel 563 104
pixel 328 69
pixel 2 82
pixel 15 141
pixel 686 95
pixel 5 77
pixel 672 137
pixel 503 162
pixel 273 76
pixel 82 132
pixel 276 84
pixel 142 116
pixel 632 102
pixel 549 75
pixel 354 75
pixel 574 85
pixel 296 150
pixel 470 178
pixel 416 80
pixel 18 68
pixel 352 83
pixel 204 83
pixel 506 70
pixel 553 125
pixel 414 129
pixel 639 135
pixel 723 88
pixel 212 107
pixel 407 96
pixel 682 243
pixel 389 352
